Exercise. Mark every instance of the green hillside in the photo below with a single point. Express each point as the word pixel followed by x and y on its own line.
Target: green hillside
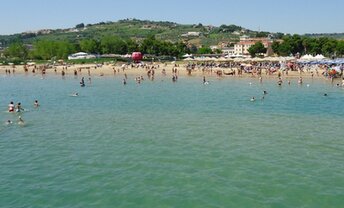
pixel 140 29
pixel 134 29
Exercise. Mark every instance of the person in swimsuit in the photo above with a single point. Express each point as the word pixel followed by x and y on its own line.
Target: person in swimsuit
pixel 36 104
pixel 11 107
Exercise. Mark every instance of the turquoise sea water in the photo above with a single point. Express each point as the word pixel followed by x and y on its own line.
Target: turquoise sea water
pixel 164 144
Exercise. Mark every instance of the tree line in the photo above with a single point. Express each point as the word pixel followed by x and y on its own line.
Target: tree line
pixel 296 44
pixel 293 44
pixel 48 49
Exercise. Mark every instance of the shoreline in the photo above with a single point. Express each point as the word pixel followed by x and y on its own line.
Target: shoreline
pixel 87 70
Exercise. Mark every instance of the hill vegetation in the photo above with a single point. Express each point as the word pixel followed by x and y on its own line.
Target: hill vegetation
pixel 135 29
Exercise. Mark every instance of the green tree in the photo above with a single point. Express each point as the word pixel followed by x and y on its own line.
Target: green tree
pixel 329 47
pixel 340 48
pixel 257 48
pixel 17 50
pixel 275 47
pixel 63 49
pixel 205 50
pixel 113 44
pixel 89 46
pixel 132 45
pixel 81 25
pixel 46 49
pixel 311 46
pixel 284 49
pixel 149 45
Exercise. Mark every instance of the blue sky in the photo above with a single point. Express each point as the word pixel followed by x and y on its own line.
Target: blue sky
pixel 288 16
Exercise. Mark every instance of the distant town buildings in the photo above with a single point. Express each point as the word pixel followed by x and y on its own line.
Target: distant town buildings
pixel 228 50
pixel 38 32
pixel 241 48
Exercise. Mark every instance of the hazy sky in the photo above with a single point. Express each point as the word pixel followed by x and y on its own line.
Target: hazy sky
pixel 288 16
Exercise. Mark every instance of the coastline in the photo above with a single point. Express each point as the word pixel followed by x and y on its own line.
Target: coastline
pixel 121 70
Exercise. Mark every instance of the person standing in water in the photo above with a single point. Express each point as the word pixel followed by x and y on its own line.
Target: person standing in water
pixel 11 107
pixel 36 104
pixel 279 82
pixel 300 81
pixel 82 82
pixel 19 108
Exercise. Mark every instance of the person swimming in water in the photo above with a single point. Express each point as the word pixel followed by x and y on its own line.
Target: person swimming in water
pixel 8 122
pixel 265 92
pixel 253 99
pixel 124 81
pixel 20 121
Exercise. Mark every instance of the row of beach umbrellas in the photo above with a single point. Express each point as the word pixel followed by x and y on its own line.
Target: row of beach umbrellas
pixel 256 59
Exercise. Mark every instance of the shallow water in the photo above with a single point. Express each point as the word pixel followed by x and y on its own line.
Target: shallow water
pixel 164 144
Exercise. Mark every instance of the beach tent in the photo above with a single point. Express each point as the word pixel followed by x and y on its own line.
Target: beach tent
pixel 307 57
pixel 319 57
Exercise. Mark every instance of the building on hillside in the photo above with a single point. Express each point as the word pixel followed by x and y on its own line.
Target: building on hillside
pixel 241 48
pixel 191 34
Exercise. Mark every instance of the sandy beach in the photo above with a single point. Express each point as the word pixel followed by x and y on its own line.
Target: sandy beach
pixel 159 69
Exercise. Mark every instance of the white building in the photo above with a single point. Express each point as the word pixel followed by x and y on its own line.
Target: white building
pixel 246 42
pixel 191 34
pixel 81 55
pixel 228 51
